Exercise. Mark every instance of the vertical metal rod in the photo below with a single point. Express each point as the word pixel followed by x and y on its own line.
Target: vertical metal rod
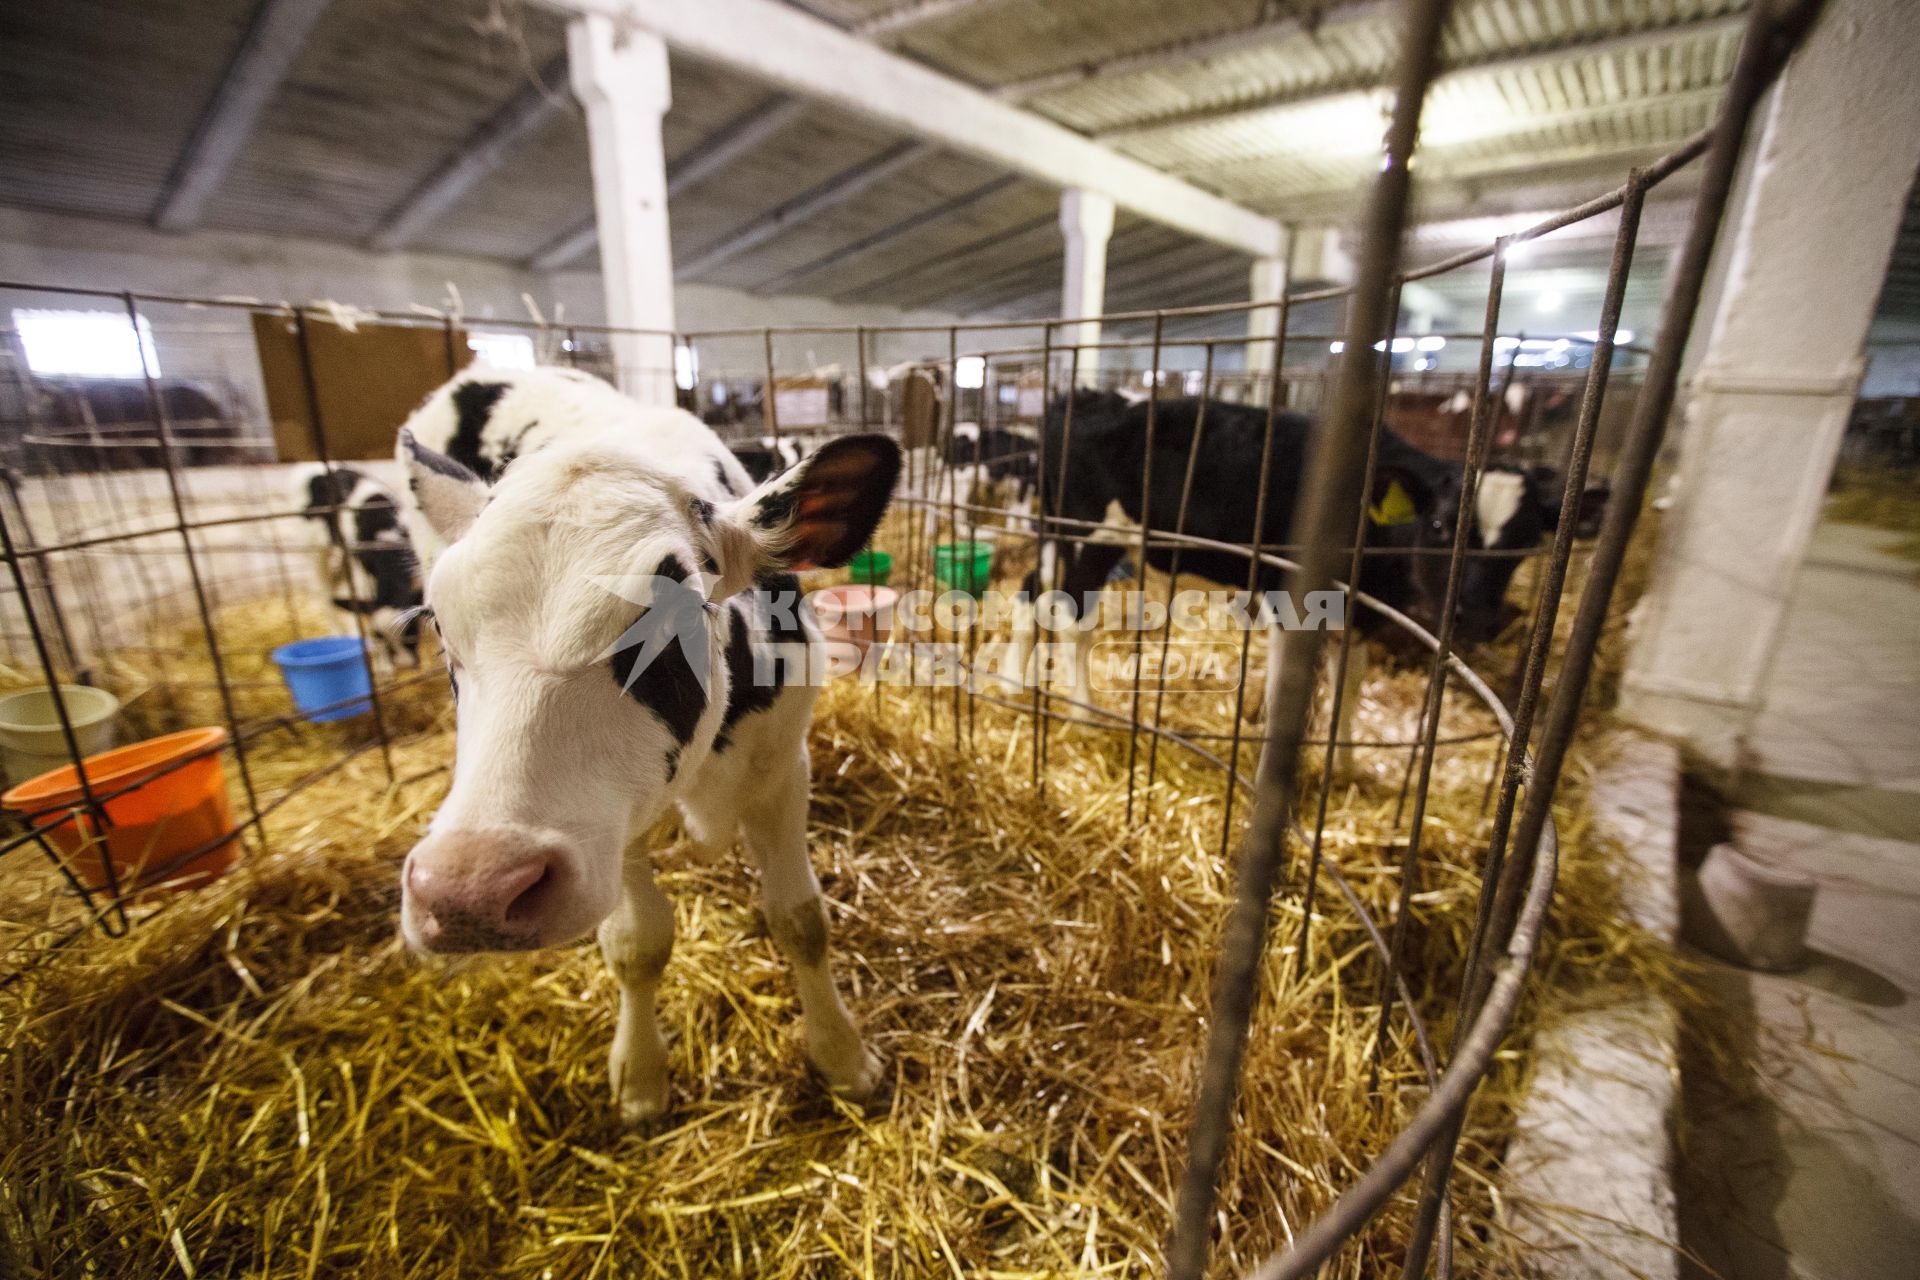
pixel 1173 562
pixel 769 407
pixel 1255 571
pixel 953 489
pixel 447 339
pixel 1075 542
pixel 1771 37
pixel 1042 524
pixel 1553 583
pixel 1146 528
pixel 1479 436
pixel 1324 518
pixel 860 367
pixel 573 349
pixel 1317 838
pixel 311 385
pixel 43 573
pixel 102 820
pixel 163 430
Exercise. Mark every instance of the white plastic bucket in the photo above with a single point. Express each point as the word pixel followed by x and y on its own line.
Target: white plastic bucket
pixel 30 739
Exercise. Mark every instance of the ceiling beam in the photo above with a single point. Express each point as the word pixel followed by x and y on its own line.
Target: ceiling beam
pixel 867 291
pixel 259 66
pixel 1193 53
pixel 1014 281
pixel 835 191
pixel 1433 154
pixel 732 140
pixel 892 231
pixel 568 247
pixel 1168 262
pixel 804 55
pixel 484 151
pixel 892 23
pixel 1528 58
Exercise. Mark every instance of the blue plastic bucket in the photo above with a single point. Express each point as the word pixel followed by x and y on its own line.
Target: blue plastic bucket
pixel 325 671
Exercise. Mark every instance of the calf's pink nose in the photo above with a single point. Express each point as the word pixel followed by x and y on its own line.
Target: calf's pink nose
pixel 476 891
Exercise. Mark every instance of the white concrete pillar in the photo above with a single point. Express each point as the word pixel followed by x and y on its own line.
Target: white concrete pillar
pixel 1266 282
pixel 1316 256
pixel 620 76
pixel 1808 250
pixel 1086 220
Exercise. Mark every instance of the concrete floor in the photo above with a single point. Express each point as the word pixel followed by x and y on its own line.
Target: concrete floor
pixel 1800 1143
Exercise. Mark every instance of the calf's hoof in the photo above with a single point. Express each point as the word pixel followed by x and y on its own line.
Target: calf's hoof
pixel 639 1082
pixel 855 1077
pixel 640 1108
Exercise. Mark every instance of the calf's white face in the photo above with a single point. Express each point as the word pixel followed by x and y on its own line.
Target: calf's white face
pixel 579 604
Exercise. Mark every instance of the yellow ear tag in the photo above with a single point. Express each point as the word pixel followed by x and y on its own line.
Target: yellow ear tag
pixel 1395 508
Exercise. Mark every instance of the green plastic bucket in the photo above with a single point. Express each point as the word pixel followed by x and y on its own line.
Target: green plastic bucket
pixel 963 566
pixel 870 568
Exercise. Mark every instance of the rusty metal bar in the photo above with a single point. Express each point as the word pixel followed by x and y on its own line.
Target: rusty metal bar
pixel 1330 506
pixel 1479 438
pixel 1553 584
pixel 1146 524
pixel 1317 851
pixel 311 385
pixel 1275 394
pixel 159 410
pixel 1173 562
pixel 1770 39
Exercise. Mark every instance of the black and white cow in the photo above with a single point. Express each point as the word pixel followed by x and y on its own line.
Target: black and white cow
pixel 1414 508
pixel 766 456
pixel 364 559
pixel 592 590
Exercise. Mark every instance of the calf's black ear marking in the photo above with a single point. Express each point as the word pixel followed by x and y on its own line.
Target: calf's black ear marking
pixel 818 513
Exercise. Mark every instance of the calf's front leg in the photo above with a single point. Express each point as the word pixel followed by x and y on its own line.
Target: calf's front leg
pixel 775 827
pixel 636 941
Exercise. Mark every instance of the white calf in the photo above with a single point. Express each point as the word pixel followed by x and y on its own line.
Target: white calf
pixel 594 605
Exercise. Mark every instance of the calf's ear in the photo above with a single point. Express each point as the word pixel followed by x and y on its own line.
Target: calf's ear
pixel 448 495
pixel 814 515
pixel 1590 510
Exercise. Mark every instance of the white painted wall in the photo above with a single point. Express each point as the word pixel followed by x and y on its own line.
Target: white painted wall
pixel 57 249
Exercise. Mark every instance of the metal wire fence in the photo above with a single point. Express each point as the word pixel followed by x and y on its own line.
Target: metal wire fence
pixel 175 506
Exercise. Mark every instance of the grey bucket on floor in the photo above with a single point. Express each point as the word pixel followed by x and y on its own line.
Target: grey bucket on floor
pixel 1750 913
pixel 31 742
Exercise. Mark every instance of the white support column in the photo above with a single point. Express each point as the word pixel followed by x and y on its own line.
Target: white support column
pixel 1086 220
pixel 620 76
pixel 1266 282
pixel 1317 256
pixel 1808 249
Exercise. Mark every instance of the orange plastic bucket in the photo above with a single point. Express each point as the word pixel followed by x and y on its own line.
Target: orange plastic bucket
pixel 171 809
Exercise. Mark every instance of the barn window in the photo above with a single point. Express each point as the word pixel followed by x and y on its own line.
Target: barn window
pixel 970 372
pixel 502 350
pixel 686 368
pixel 85 344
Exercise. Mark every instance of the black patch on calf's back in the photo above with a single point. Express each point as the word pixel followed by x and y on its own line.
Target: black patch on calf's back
pixel 473 404
pixel 745 696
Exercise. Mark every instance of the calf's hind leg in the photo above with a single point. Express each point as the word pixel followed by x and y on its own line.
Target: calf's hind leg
pixel 775 826
pixel 636 941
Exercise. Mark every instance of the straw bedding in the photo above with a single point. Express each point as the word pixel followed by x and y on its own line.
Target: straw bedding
pixel 260 1081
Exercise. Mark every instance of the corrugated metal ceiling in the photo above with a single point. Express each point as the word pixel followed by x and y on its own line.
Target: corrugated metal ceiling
pixel 1282 114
